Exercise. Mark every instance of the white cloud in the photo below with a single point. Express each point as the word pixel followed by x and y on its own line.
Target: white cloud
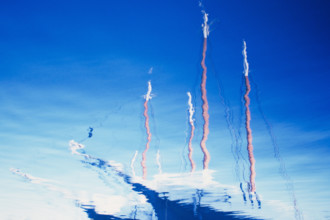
pixel 246 64
pixel 205 26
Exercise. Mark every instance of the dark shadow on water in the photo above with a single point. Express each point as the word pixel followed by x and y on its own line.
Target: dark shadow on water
pixel 164 208
pixel 92 214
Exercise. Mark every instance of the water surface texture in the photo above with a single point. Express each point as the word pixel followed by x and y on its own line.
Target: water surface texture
pixel 164 110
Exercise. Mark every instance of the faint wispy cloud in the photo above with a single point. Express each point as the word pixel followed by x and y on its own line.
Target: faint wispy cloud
pixel 150 70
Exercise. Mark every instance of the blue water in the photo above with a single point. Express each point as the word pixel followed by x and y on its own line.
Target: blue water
pixel 73 80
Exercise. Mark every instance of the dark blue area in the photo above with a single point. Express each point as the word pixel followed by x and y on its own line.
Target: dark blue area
pixel 287 44
pixel 92 214
pixel 90 133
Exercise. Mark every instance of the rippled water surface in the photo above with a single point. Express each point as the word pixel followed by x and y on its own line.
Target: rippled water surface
pixel 164 110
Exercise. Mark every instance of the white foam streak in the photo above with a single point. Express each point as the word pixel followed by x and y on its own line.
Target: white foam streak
pixel 246 64
pixel 148 95
pixel 74 147
pixel 191 109
pixel 158 162
pixel 132 163
pixel 28 176
pixel 205 26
